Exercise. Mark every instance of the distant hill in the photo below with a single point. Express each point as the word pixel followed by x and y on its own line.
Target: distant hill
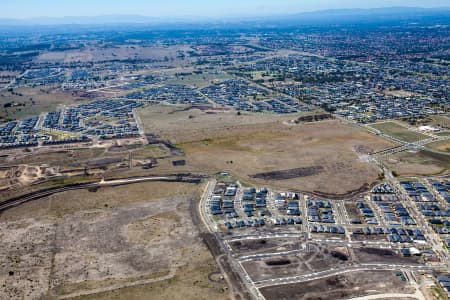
pixel 326 16
pixel 110 19
pixel 371 15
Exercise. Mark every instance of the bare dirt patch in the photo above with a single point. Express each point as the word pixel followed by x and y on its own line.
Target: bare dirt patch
pixel 377 255
pixel 290 174
pixel 265 245
pixel 443 146
pixel 81 242
pixel 313 258
pixel 345 286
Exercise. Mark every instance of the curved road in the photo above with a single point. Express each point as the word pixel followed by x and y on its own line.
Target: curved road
pixel 16 201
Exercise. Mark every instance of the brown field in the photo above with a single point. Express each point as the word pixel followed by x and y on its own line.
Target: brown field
pixel 442 121
pixel 45 99
pixel 316 259
pixel 346 286
pixel 189 283
pixel 443 146
pixel 52 157
pixel 382 256
pixel 92 54
pixel 75 201
pixel 251 144
pixel 418 163
pixel 200 80
pixel 179 125
pixel 128 242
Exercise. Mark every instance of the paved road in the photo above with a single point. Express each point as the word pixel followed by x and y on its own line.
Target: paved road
pixel 13 202
pixel 254 292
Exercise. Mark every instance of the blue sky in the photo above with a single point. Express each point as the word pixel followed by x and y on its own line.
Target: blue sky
pixel 161 8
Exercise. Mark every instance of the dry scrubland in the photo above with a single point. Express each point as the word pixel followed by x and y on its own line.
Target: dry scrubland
pixel 138 241
pixel 250 144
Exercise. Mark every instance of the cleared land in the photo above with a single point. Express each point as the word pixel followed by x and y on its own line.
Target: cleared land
pixel 61 158
pixel 314 259
pixel 443 146
pixel 251 144
pixel 129 242
pixel 121 52
pixel 29 101
pixel 346 286
pixel 397 131
pixel 418 163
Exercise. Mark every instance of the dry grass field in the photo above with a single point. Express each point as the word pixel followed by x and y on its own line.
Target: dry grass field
pixel 181 125
pixel 92 54
pixel 418 163
pixel 33 101
pixel 128 242
pixel 250 144
pixel 442 146
pixel 60 158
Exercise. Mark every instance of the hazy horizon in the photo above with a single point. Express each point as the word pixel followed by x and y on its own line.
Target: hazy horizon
pixel 25 9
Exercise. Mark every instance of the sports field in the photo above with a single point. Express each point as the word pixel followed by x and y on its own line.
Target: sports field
pixel 400 132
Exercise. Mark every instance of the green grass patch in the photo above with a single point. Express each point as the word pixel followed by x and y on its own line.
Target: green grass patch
pixel 400 132
pixel 443 133
pixel 439 293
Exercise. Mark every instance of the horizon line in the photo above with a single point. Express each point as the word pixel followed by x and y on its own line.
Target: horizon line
pixel 221 16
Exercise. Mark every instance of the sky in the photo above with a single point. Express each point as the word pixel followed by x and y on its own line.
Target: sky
pixel 208 8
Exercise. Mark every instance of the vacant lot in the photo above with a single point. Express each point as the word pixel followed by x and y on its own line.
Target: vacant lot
pixel 184 124
pixel 314 258
pixel 418 163
pixel 93 54
pixel 30 101
pixel 114 242
pixel 275 148
pixel 50 157
pixel 397 131
pixel 265 245
pixel 442 146
pixel 345 286
pixel 251 144
pixel 382 256
pixel 200 80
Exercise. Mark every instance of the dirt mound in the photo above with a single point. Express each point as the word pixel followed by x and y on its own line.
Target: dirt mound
pixel 280 262
pixel 380 252
pixel 339 255
pixel 290 174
